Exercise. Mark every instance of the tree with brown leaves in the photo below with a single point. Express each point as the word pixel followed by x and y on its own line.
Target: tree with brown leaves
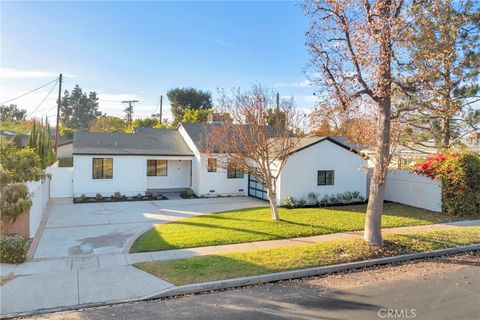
pixel 251 141
pixel 352 44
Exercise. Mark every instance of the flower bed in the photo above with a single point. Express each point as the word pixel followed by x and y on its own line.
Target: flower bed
pixel 118 198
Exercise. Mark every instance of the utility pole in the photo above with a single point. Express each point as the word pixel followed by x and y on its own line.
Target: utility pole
pixel 278 101
pixel 129 110
pixel 58 110
pixel 161 105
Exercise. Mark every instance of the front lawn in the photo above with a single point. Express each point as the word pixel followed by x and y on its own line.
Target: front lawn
pixel 242 264
pixel 250 225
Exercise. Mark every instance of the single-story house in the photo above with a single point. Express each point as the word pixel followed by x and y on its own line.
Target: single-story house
pixel 172 160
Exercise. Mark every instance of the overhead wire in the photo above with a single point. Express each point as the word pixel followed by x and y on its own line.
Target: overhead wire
pixel 40 104
pixel 24 94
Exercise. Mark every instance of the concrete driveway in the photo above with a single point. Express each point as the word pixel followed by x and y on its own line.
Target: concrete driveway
pixel 101 228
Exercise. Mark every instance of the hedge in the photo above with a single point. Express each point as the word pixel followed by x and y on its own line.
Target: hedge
pixel 460 176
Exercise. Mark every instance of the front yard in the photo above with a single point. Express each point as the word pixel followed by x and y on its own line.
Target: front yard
pixel 242 264
pixel 250 225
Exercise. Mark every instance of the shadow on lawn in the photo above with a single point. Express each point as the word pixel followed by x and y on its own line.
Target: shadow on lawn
pixel 162 244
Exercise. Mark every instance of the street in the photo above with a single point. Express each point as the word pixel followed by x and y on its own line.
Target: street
pixel 441 288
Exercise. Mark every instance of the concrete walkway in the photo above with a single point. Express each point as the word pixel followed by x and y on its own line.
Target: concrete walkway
pixel 104 278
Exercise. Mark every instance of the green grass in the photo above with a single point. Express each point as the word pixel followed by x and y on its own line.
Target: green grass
pixel 234 265
pixel 250 225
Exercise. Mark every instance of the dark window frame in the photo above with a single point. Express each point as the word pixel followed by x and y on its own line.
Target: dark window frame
pixel 103 174
pixel 326 180
pixel 212 167
pixel 157 167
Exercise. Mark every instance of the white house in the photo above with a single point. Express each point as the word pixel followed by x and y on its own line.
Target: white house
pixel 172 160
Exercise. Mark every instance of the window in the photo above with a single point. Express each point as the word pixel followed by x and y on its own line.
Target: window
pixel 212 165
pixel 157 168
pixel 325 177
pixel 102 168
pixel 234 171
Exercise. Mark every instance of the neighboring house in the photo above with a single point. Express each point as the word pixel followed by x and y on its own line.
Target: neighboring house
pixel 65 149
pixel 168 160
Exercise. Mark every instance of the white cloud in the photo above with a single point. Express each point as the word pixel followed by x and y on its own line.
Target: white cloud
pixel 300 84
pixel 11 73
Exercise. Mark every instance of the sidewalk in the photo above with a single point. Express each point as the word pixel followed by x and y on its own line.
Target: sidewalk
pixel 63 282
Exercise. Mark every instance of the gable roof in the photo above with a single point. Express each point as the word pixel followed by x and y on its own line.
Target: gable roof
pixel 159 142
pixel 340 141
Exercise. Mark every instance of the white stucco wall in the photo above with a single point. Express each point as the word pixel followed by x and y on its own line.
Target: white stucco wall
pixel 129 175
pixel 61 185
pixel 203 181
pixel 299 176
pixel 39 191
pixel 405 187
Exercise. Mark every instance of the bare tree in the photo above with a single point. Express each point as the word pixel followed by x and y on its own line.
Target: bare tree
pixel 252 142
pixel 352 43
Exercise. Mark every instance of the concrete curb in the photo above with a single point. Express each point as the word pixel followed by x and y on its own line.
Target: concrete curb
pixel 246 281
pixel 295 274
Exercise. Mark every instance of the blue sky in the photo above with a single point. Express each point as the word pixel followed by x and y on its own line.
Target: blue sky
pixel 139 50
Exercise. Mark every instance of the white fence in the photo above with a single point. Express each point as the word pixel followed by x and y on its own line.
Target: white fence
pixel 39 191
pixel 414 190
pixel 61 185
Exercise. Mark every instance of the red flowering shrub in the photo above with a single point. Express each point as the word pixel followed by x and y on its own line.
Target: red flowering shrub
pixel 460 176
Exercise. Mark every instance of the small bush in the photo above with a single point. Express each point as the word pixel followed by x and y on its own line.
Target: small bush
pixel 154 194
pixel 83 197
pixel 189 192
pixel 98 196
pixel 139 195
pixel 312 199
pixel 117 195
pixel 13 249
pixel 15 200
pixel 291 202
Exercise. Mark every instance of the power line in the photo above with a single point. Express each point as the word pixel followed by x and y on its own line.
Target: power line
pixel 43 99
pixel 36 89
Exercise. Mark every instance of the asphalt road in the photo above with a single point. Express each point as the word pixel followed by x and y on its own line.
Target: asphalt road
pixel 442 288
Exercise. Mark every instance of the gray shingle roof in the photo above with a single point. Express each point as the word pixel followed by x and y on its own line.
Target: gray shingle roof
pixel 199 134
pixel 165 142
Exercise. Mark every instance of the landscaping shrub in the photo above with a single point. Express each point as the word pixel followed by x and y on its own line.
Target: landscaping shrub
pixel 15 200
pixel 460 176
pixel 98 196
pixel 117 195
pixel 13 249
pixel 313 200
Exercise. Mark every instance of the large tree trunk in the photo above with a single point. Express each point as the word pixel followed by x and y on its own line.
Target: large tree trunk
pixel 373 226
pixel 373 220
